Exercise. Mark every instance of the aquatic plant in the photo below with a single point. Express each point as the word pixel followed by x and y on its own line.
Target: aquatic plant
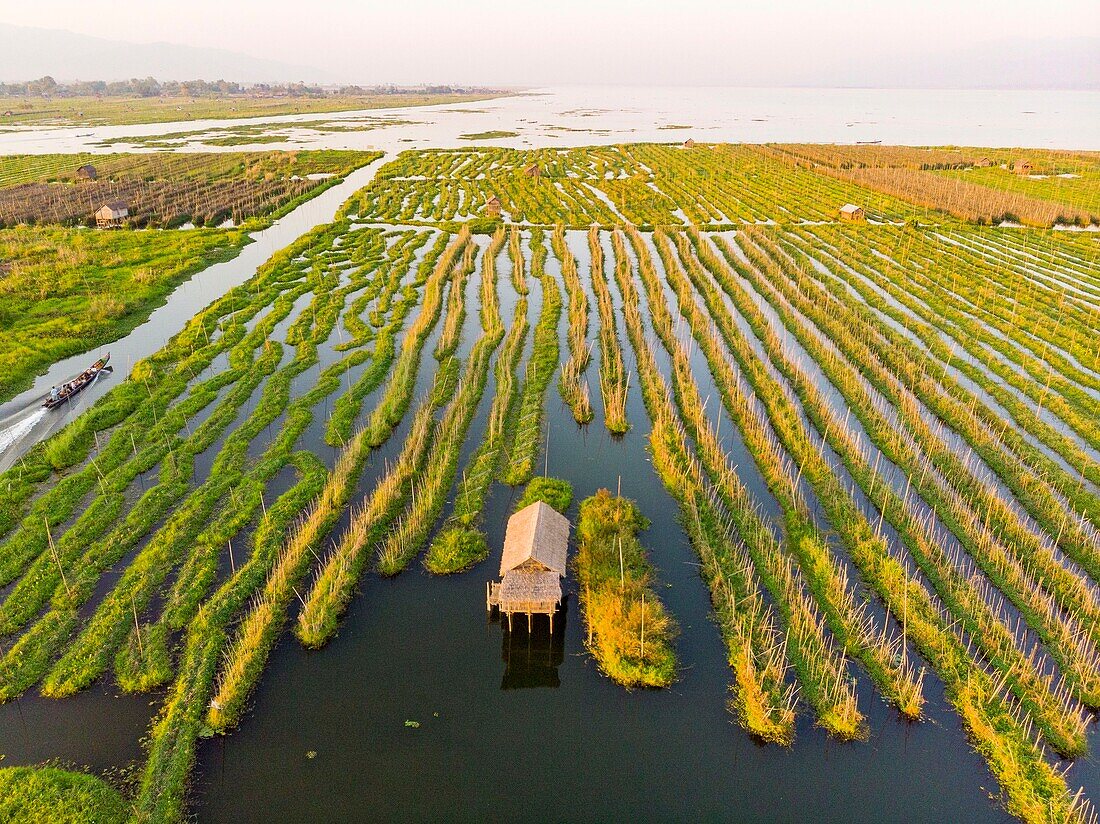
pixel 571 384
pixel 629 632
pixel 614 380
pixel 524 428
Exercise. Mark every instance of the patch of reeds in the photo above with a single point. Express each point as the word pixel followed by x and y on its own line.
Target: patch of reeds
pixel 395 401
pixel 821 667
pixel 1059 718
pixel 332 587
pixel 614 380
pixel 571 382
pixel 525 427
pixel 629 632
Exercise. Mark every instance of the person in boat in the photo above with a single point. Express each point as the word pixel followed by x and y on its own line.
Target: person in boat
pixel 54 392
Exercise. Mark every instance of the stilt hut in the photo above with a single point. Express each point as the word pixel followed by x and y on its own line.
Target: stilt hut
pixel 533 171
pixel 849 211
pixel 1022 167
pixel 86 172
pixel 532 564
pixel 689 143
pixel 111 215
pixel 492 207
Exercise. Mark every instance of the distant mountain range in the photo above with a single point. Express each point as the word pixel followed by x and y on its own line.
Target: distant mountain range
pixel 1019 63
pixel 27 53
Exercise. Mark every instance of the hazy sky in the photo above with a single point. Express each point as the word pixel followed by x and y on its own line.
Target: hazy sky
pixel 533 42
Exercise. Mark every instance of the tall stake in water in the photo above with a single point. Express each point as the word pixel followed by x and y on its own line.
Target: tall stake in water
pixel 622 573
pixel 56 559
pixel 137 627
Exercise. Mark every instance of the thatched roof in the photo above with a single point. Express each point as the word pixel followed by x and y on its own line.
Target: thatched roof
pixel 536 539
pixel 518 587
pixel 493 201
pixel 850 209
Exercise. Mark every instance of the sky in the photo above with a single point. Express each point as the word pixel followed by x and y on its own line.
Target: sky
pixel 543 42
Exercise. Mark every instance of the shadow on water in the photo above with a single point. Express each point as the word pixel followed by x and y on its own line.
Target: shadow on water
pixel 532 654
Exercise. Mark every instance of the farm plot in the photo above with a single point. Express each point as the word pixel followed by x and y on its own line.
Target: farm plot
pixel 64 291
pixel 648 185
pixel 166 190
pixel 879 440
pixel 1034 187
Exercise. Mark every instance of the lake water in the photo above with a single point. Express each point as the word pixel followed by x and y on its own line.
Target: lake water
pixel 521 726
pixel 575 115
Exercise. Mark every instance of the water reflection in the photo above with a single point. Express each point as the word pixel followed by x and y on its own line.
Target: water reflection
pixel 531 653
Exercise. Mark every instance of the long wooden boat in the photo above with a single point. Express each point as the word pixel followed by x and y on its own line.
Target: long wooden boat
pixel 59 394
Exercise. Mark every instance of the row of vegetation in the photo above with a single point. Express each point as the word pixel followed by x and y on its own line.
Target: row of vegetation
pixel 644 184
pixel 524 426
pixel 460 543
pixel 572 385
pixel 628 629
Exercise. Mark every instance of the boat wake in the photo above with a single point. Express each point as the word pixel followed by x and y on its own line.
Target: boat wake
pixel 19 428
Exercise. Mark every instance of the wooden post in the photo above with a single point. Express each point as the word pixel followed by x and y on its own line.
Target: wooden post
pixel 56 557
pixel 137 627
pixel 622 573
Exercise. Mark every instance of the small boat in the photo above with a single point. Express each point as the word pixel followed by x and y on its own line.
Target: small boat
pixel 59 394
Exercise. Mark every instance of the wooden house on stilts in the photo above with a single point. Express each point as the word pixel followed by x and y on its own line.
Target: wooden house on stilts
pixel 532 564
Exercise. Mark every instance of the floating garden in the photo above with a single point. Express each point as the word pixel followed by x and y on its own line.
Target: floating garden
pixel 878 439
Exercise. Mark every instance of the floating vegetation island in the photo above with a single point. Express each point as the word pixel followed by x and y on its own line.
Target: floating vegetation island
pixel 878 440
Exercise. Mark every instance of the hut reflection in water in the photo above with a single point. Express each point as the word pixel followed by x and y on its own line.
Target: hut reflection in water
pixel 531 652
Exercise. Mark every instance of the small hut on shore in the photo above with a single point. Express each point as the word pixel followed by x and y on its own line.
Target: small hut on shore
pixel 532 171
pixel 1022 167
pixel 532 564
pixel 86 172
pixel 689 143
pixel 983 163
pixel 851 212
pixel 111 215
pixel 492 207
